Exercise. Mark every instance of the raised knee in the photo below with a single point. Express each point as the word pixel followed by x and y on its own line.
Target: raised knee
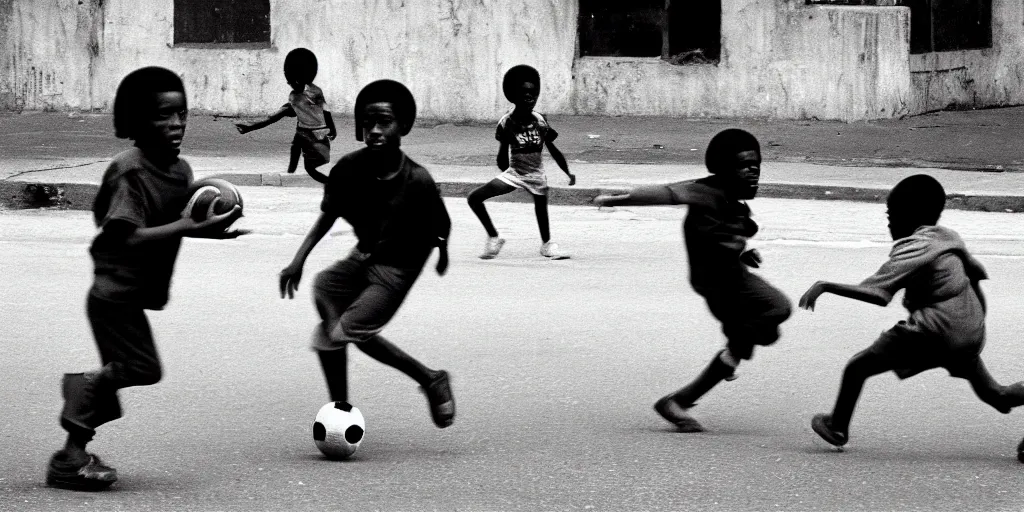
pixel 344 332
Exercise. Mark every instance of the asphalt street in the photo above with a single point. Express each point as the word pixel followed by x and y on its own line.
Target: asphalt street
pixel 555 368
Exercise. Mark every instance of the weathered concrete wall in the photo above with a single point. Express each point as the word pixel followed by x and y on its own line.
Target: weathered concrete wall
pixel 451 53
pixel 779 59
pixel 975 78
pixel 46 49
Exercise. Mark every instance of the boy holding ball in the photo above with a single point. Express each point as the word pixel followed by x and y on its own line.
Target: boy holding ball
pixel 138 213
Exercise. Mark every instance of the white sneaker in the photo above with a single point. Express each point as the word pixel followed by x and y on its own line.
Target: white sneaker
pixel 551 250
pixel 492 247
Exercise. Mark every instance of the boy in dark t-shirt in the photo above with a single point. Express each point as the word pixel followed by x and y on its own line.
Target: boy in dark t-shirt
pixel 716 228
pixel 138 211
pixel 398 216
pixel 314 126
pixel 946 327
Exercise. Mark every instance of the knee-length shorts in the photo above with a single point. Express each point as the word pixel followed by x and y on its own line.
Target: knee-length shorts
pixel 356 298
pixel 316 147
pixel 750 312
pixel 910 351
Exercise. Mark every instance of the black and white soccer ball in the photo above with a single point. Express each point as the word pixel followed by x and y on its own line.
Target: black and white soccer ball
pixel 338 429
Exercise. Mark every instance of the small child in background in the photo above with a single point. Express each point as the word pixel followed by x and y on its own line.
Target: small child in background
pixel 138 211
pixel 399 217
pixel 524 133
pixel 716 228
pixel 314 128
pixel 946 327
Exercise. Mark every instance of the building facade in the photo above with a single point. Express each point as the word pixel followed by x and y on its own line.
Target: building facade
pixel 718 58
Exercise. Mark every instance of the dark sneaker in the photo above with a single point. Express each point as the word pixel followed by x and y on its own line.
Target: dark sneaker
pixel 442 402
pixel 822 425
pixel 93 475
pixel 677 415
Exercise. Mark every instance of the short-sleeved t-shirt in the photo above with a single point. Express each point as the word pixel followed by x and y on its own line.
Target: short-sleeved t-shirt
pixel 525 141
pixel 715 230
pixel 137 192
pixel 397 220
pixel 941 279
pixel 309 106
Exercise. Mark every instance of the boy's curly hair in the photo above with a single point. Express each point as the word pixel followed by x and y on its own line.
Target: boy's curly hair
pixel 919 198
pixel 725 145
pixel 300 66
pixel 135 99
pixel 386 91
pixel 515 77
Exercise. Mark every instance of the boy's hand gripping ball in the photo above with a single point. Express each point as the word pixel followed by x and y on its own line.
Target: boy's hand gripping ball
pixel 209 197
pixel 338 430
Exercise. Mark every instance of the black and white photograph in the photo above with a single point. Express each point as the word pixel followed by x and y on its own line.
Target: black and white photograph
pixel 511 255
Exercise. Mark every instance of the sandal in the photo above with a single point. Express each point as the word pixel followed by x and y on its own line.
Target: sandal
pixel 822 425
pixel 91 476
pixel 442 402
pixel 678 415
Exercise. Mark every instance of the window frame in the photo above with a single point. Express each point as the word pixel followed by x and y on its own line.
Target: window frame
pixel 665 25
pixel 182 35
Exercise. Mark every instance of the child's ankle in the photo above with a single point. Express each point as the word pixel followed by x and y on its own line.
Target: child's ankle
pixel 75 454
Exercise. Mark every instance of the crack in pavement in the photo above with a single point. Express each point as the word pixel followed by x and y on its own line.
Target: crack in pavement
pixel 22 173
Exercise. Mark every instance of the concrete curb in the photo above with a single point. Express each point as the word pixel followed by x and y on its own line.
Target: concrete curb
pixel 80 196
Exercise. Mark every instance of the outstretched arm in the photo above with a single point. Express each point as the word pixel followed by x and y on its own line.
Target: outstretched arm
pixel 560 160
pixel 639 196
pixel 869 294
pixel 285 111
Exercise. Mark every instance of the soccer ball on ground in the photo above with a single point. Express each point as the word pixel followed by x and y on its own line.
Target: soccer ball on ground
pixel 338 430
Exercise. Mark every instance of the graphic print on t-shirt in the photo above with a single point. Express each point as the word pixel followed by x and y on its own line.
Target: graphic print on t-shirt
pixel 527 138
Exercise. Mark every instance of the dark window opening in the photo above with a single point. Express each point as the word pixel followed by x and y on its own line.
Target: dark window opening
pixel 681 32
pixel 221 21
pixel 947 25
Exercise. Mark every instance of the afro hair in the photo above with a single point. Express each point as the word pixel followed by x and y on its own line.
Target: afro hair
pixel 919 198
pixel 725 145
pixel 300 66
pixel 386 91
pixel 136 97
pixel 517 76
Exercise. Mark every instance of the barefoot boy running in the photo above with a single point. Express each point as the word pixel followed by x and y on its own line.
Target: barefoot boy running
pixel 525 133
pixel 138 211
pixel 398 216
pixel 716 228
pixel 314 127
pixel 946 327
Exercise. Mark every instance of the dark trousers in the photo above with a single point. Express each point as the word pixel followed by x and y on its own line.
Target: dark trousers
pixel 129 358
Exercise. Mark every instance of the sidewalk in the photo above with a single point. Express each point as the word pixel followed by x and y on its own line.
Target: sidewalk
pixel 57 159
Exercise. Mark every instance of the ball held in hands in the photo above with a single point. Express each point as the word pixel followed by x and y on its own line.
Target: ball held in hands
pixel 209 197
